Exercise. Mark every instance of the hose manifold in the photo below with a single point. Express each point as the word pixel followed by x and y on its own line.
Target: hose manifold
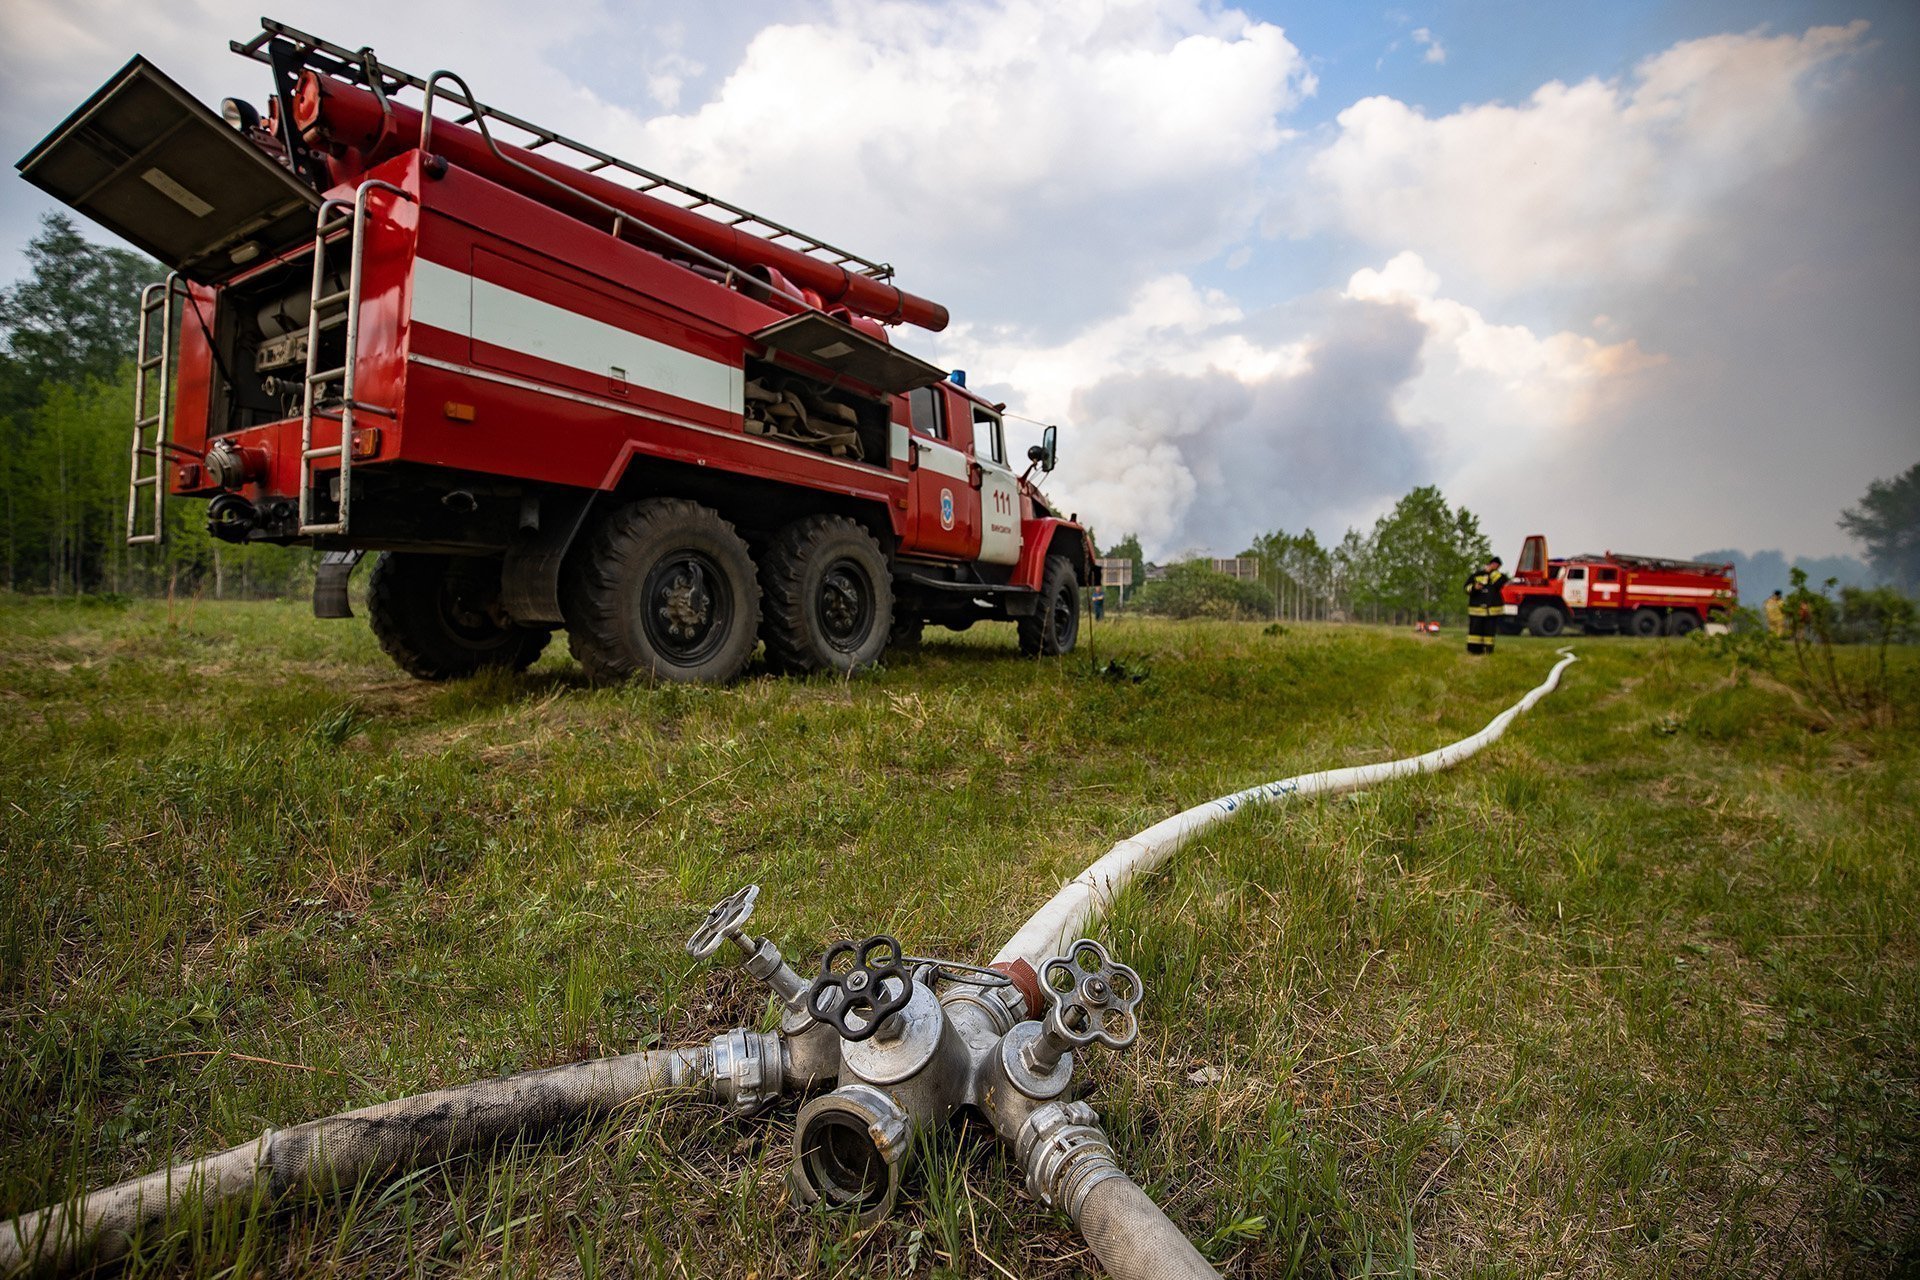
pixel 1066 1155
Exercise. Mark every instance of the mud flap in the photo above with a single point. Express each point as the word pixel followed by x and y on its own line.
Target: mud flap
pixel 530 574
pixel 330 584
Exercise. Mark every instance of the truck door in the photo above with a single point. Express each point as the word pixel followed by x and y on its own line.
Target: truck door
pixel 999 493
pixel 1605 588
pixel 943 504
pixel 1574 591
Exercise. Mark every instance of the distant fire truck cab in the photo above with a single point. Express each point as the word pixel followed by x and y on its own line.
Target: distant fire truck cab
pixel 1615 593
pixel 554 388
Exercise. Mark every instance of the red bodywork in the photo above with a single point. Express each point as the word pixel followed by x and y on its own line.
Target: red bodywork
pixel 1643 595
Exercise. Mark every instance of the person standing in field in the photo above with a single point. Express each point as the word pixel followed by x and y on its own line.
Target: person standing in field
pixel 1776 615
pixel 1484 606
pixel 1099 600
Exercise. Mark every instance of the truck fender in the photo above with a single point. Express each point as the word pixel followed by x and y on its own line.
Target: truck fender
pixel 1047 536
pixel 530 572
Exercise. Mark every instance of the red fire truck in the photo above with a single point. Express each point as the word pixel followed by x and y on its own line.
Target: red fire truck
pixel 1636 595
pixel 554 388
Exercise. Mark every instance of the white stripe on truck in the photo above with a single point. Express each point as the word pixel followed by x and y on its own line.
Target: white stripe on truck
pixel 453 300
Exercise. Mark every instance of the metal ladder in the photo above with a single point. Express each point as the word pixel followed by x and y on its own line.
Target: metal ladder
pixel 360 67
pixel 149 418
pixel 328 310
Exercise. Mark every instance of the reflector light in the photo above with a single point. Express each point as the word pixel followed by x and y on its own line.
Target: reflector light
pixel 366 443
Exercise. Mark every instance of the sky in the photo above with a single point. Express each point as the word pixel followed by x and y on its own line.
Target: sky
pixel 1641 276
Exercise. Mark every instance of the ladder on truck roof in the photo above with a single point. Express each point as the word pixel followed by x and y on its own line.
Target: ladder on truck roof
pixel 1660 564
pixel 361 68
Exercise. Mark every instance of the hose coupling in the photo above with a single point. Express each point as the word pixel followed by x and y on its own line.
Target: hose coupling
pixel 1066 1155
pixel 848 1148
pixel 746 1070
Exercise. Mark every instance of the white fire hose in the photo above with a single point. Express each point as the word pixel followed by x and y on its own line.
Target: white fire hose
pixel 1130 1234
pixel 1092 891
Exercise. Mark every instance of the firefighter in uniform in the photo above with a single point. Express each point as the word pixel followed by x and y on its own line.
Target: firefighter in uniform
pixel 1484 606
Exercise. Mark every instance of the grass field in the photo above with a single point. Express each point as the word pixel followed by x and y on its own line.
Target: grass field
pixel 1634 993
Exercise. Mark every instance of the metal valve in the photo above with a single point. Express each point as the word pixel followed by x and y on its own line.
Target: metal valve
pixel 1091 996
pixel 725 919
pixel 876 986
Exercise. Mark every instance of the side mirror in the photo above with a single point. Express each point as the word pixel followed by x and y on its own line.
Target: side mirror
pixel 1047 452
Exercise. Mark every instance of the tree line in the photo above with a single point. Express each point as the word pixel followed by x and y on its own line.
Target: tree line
pixel 1410 565
pixel 67 337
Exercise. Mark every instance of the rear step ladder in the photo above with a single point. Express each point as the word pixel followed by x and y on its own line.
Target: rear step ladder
pixel 328 310
pixel 150 412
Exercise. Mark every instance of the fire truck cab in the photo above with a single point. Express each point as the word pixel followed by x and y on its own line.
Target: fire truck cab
pixel 548 397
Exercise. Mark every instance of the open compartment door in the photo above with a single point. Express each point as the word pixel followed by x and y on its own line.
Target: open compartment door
pixel 845 350
pixel 146 160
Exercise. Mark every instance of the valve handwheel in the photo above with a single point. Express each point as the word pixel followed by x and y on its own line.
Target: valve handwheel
pixel 726 917
pixel 873 989
pixel 1091 996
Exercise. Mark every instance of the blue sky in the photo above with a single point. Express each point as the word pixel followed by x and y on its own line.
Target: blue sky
pixel 1635 275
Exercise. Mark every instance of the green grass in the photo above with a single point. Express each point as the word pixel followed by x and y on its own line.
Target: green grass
pixel 1634 993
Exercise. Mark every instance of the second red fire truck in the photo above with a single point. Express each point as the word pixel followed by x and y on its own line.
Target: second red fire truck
pixel 553 388
pixel 1615 593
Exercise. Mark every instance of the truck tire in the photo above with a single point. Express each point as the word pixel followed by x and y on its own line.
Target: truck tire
pixel 829 597
pixel 1546 621
pixel 1645 623
pixel 1054 627
pixel 1682 623
pixel 439 616
pixel 665 589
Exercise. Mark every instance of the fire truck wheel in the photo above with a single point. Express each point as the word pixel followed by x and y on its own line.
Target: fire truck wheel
pixel 439 616
pixel 1682 623
pixel 664 588
pixel 1645 623
pixel 1052 629
pixel 1545 620
pixel 829 597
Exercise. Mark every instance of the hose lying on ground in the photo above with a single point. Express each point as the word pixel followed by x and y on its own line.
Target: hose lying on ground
pixel 1065 916
pixel 1130 1234
pixel 341 1151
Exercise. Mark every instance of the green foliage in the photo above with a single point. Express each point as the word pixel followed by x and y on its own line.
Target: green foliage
pixel 66 410
pixel 72 317
pixel 1297 571
pixel 1128 548
pixel 1195 590
pixel 1888 521
pixel 1817 622
pixel 1422 551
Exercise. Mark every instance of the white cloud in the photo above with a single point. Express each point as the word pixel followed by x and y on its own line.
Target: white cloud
pixel 1433 51
pixel 1061 142
pixel 1583 181
pixel 1479 373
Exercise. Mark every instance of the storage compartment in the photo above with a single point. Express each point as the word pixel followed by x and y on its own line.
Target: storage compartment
pixel 789 406
pixel 261 339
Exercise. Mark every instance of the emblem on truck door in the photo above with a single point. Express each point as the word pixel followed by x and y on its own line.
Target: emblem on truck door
pixel 946 508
